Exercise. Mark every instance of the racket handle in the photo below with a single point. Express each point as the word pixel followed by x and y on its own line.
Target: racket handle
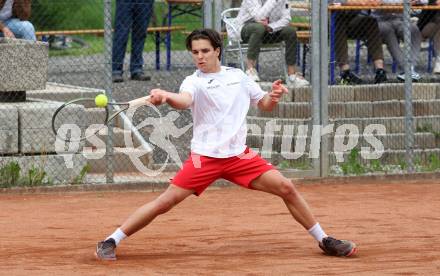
pixel 139 101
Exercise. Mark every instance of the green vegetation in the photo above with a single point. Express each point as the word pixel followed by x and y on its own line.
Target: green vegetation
pixel 10 176
pixel 428 128
pixel 354 166
pixel 79 179
pixel 295 164
pixel 88 14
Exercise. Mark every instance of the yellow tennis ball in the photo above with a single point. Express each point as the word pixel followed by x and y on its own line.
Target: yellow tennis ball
pixel 101 100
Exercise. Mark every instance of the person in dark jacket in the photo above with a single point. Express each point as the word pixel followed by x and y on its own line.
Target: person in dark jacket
pixel 14 19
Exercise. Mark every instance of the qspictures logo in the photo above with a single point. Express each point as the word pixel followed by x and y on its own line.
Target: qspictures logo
pixel 296 140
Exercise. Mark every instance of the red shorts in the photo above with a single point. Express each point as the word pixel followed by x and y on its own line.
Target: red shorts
pixel 198 172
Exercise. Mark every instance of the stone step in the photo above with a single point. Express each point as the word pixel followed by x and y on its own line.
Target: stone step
pixel 121 160
pixel 288 143
pixel 169 167
pixel 64 93
pixel 392 108
pixel 96 115
pixel 118 138
pixel 392 124
pixel 286 171
pixel 383 92
pixel 393 156
pixel 388 157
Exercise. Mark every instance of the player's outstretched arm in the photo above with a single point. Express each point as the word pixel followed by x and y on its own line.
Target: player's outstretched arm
pixel 178 101
pixel 270 100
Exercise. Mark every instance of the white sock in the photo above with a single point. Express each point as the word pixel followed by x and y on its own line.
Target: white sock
pixel 317 232
pixel 118 236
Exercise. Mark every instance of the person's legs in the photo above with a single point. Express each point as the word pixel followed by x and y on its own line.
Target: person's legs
pixel 341 39
pixel 390 39
pixel 416 40
pixel 369 32
pixel 275 183
pixel 288 35
pixel 21 29
pixel 253 33
pixel 436 39
pixel 162 204
pixel 105 250
pixel 123 21
pixel 141 11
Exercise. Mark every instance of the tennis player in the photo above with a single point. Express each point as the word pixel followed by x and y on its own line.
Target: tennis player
pixel 219 98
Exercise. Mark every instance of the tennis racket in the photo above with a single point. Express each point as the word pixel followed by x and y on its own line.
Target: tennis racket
pixel 91 102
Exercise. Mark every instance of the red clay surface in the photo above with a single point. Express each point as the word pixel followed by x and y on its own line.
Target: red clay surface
pixel 231 231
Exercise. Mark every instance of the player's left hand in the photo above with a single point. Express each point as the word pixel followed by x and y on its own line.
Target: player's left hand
pixel 277 91
pixel 158 96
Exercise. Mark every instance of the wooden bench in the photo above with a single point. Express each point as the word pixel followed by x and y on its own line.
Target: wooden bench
pixel 158 31
pixel 301 25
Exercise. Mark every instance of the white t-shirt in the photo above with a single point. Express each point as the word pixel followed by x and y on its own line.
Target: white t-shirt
pixel 219 108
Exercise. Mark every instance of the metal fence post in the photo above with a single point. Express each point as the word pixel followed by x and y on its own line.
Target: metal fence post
pixel 108 85
pixel 207 14
pixel 409 130
pixel 323 88
pixel 218 7
pixel 316 75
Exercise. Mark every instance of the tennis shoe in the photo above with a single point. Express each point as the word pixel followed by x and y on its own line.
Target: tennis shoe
pixel 296 80
pixel 105 250
pixel 340 248
pixel 414 75
pixel 437 65
pixel 350 78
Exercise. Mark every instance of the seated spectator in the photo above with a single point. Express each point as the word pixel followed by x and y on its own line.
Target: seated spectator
pixel 429 24
pixel 358 25
pixel 258 24
pixel 14 15
pixel 227 4
pixel 391 29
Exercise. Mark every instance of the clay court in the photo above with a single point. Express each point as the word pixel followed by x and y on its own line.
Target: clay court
pixel 229 231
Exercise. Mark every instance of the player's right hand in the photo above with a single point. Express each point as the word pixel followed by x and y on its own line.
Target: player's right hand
pixel 158 96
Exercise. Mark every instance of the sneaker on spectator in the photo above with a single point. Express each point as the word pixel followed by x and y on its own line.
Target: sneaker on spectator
pixel 414 75
pixel 381 76
pixel 437 65
pixel 117 78
pixel 253 74
pixel 296 80
pixel 140 77
pixel 349 78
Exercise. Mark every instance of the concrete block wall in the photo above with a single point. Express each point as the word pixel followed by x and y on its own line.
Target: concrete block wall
pixel 8 129
pixel 361 106
pixel 23 64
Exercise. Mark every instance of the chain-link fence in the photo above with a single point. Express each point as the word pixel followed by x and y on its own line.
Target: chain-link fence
pixel 366 75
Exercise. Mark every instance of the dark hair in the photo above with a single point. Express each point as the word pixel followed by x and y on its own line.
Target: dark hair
pixel 209 34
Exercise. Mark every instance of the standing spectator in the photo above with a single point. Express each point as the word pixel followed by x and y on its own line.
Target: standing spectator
pixel 267 21
pixel 358 25
pixel 391 29
pixel 132 16
pixel 429 24
pixel 14 16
